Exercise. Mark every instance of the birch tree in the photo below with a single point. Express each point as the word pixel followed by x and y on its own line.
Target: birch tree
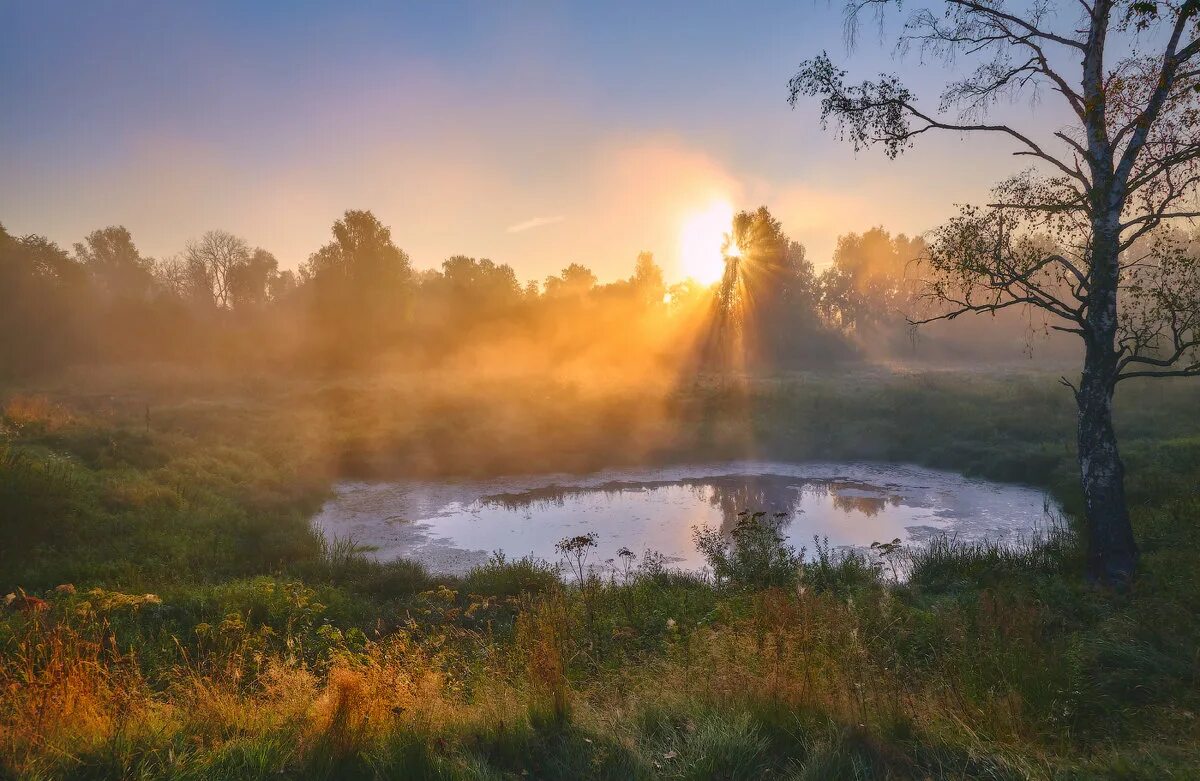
pixel 1090 236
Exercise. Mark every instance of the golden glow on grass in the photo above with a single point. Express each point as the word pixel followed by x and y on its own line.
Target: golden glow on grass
pixel 702 237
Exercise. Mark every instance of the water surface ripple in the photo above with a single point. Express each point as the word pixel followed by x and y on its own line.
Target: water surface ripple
pixel 451 526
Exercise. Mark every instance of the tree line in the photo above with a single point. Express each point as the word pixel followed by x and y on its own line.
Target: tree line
pixel 359 297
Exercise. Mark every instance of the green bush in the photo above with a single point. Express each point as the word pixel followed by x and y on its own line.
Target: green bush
pixel 755 554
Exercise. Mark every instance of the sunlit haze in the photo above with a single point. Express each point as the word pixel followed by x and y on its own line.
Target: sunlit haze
pixel 599 390
pixel 537 134
pixel 702 237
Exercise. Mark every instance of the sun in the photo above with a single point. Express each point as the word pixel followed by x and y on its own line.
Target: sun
pixel 701 239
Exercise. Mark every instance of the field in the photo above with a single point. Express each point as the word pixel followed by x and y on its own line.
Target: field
pixel 174 616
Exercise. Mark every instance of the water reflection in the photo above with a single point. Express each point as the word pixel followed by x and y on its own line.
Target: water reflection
pixel 454 525
pixel 860 501
pixel 778 496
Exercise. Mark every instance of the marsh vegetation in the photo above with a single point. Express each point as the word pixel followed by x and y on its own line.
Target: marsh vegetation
pixel 180 618
pixel 170 426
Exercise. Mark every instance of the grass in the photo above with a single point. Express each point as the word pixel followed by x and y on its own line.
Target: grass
pixel 196 627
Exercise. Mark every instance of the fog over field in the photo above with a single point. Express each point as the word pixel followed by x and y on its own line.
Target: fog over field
pixel 600 391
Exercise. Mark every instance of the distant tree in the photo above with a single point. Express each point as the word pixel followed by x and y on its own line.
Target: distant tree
pixel 769 288
pixel 251 283
pixel 466 291
pixel 575 280
pixel 361 256
pixel 360 282
pixel 686 292
pixel 647 280
pixel 217 258
pixel 871 280
pixel 1079 238
pixel 36 257
pixel 44 297
pixel 176 275
pixel 480 283
pixel 771 265
pixel 114 262
pixel 282 286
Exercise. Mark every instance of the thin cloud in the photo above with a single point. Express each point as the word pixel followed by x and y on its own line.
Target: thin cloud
pixel 536 222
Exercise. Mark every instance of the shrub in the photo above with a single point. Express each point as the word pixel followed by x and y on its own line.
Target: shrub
pixel 755 555
pixel 500 577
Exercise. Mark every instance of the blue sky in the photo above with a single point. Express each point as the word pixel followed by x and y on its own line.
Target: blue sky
pixel 599 126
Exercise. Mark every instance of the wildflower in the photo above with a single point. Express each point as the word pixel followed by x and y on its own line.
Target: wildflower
pixel 22 601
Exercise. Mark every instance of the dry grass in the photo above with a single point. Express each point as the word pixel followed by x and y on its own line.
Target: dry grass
pixel 988 664
pixel 783 676
pixel 69 697
pixel 26 411
pixel 66 692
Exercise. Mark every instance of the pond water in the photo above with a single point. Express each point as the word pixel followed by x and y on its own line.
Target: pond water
pixel 451 526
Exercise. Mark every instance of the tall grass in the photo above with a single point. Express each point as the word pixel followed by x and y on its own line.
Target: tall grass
pixel 794 682
pixel 262 651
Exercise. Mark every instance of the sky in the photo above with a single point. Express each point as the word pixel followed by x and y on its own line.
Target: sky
pixel 535 134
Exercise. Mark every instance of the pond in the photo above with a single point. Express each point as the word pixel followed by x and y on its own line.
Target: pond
pixel 451 526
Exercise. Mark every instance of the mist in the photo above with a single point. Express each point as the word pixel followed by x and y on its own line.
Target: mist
pixel 357 306
pixel 599 391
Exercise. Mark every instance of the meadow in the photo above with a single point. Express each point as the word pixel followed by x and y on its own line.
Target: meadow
pixel 175 616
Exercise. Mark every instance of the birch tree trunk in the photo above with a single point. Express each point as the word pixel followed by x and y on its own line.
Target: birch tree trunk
pixel 1111 551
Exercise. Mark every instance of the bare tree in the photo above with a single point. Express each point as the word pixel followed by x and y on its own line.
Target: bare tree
pixel 1085 236
pixel 218 256
pixel 179 277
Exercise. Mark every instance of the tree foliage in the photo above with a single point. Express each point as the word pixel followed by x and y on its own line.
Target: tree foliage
pixel 1086 237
